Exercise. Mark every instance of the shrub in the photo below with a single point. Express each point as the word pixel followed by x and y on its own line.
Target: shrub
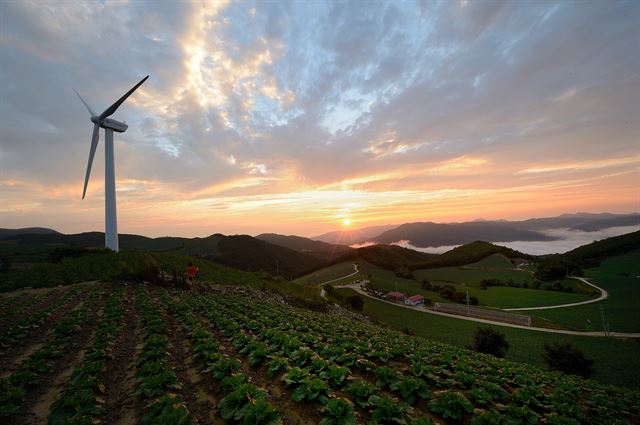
pixel 568 359
pixel 355 302
pixel 425 284
pixel 490 341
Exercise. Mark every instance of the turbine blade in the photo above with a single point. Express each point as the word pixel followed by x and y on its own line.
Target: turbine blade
pixel 92 152
pixel 111 109
pixel 86 105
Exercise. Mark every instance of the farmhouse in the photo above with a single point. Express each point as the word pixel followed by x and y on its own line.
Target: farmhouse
pixel 395 296
pixel 415 300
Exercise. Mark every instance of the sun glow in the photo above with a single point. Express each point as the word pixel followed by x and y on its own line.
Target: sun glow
pixel 346 222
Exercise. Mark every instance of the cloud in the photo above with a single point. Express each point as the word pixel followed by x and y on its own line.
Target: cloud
pixel 482 104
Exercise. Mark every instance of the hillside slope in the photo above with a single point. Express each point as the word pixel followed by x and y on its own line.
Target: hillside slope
pixel 322 250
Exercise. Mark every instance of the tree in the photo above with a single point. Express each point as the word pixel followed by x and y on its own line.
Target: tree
pixel 490 341
pixel 426 285
pixel 355 302
pixel 568 359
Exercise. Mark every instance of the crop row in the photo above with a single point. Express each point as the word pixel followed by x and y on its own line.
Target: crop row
pixel 13 389
pixel 326 381
pixel 156 379
pixel 241 401
pixel 26 326
pixel 82 401
pixel 457 383
pixel 14 306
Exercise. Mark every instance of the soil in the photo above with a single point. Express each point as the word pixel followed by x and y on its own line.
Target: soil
pixel 14 355
pixel 52 383
pixel 195 391
pixel 121 404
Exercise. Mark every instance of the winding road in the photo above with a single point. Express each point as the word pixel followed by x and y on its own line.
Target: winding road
pixel 322 291
pixel 603 295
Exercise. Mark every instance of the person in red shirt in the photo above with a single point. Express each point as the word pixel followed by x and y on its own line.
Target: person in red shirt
pixel 192 272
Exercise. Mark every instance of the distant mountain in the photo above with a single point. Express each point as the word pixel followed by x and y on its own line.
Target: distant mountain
pixel 354 236
pixel 318 249
pixel 7 233
pixel 580 221
pixel 438 234
pixel 600 224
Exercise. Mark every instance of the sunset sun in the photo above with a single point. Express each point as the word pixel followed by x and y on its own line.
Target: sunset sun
pixel 346 222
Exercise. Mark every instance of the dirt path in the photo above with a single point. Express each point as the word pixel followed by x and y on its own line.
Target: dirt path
pixel 322 291
pixel 121 404
pixel 195 392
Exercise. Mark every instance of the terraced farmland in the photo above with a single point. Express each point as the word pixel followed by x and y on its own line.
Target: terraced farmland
pixel 128 353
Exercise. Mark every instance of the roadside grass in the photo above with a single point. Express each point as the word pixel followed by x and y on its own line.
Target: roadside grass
pixel 616 361
pixel 472 275
pixel 328 273
pixel 619 275
pixel 495 296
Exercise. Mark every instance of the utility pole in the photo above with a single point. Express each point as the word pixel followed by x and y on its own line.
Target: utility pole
pixel 604 326
pixel 468 310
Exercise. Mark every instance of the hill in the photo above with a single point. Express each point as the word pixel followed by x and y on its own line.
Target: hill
pixel 240 251
pixel 7 233
pixel 391 257
pixel 438 234
pixel 247 253
pixel 318 249
pixel 468 254
pixel 587 256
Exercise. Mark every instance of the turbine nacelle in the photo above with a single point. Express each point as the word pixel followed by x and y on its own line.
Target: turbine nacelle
pixel 114 125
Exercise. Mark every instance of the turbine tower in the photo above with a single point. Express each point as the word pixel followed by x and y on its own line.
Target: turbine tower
pixel 109 125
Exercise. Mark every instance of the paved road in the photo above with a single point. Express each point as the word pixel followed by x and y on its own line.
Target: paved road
pixel 603 295
pixel 356 287
pixel 322 291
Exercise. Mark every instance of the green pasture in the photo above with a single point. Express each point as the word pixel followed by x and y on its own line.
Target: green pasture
pixel 615 361
pixel 619 275
pixel 495 296
pixel 328 273
pixel 472 275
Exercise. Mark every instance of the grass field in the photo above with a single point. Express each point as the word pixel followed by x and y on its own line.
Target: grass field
pixel 616 361
pixel 500 297
pixel 326 274
pixel 473 274
pixel 619 276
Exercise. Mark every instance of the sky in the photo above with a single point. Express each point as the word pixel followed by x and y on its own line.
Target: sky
pixel 300 117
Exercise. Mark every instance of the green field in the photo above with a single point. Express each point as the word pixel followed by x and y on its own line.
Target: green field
pixel 619 276
pixel 328 273
pixel 493 267
pixel 497 296
pixel 616 361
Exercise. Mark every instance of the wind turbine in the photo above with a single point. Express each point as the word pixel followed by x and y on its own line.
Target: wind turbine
pixel 109 125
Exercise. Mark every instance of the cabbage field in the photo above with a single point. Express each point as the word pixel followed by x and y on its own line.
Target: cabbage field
pixel 131 353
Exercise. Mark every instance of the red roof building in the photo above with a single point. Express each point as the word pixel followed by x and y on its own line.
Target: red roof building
pixel 415 300
pixel 395 296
